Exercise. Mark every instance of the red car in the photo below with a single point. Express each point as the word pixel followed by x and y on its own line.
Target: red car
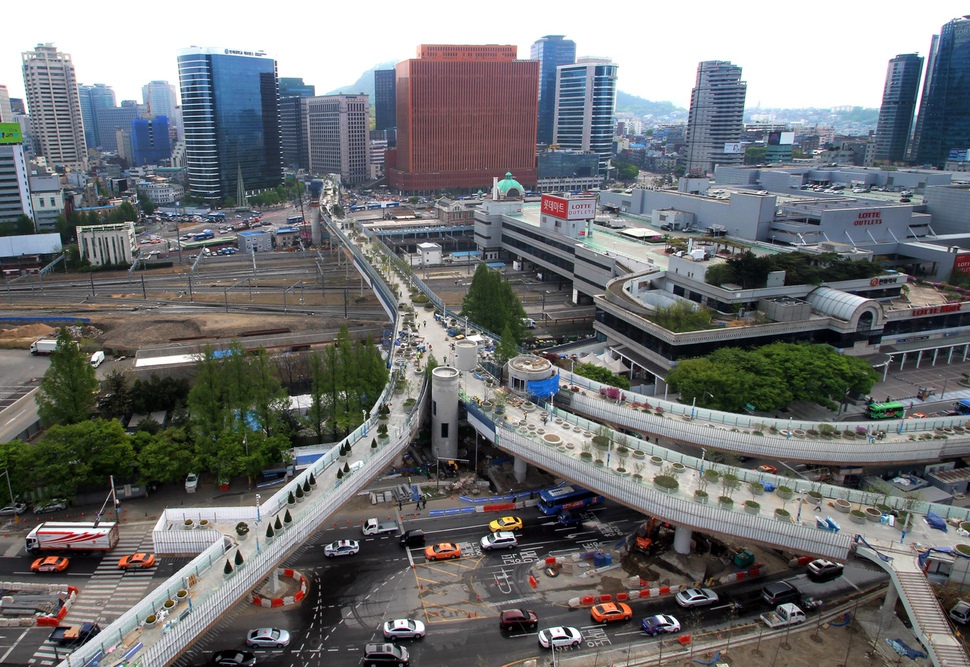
pixel 50 564
pixel 771 470
pixel 136 561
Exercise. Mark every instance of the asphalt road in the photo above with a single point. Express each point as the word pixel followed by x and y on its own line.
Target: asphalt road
pixel 459 601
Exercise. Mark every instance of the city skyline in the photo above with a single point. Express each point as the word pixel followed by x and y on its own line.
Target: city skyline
pixel 791 58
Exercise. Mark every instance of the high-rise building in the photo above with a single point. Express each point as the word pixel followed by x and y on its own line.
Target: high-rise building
pixel 552 52
pixel 14 184
pixel 94 97
pixel 464 114
pixel 17 106
pixel 715 122
pixel 55 109
pixel 112 119
pixel 6 113
pixel 159 97
pixel 338 138
pixel 898 105
pixel 385 99
pixel 943 125
pixel 292 124
pixel 150 142
pixel 585 99
pixel 231 120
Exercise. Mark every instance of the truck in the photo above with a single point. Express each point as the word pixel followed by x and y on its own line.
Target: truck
pixel 963 406
pixel 375 527
pixel 74 635
pixel 784 614
pixel 72 536
pixel 43 346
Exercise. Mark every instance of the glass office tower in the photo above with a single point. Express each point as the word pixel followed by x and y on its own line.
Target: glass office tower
pixel 585 100
pixel 231 119
pixel 552 51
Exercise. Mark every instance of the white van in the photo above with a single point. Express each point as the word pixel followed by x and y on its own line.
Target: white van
pixel 97 358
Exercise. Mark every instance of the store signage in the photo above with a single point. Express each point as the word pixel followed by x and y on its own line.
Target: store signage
pixel 869 218
pixel 962 263
pixel 938 310
pixel 569 209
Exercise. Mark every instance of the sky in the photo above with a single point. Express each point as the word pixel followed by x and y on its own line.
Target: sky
pixel 792 55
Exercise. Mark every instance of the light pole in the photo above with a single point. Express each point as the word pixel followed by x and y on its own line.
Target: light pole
pixel 363 414
pixel 9 488
pixel 258 517
pixel 943 392
pixel 703 456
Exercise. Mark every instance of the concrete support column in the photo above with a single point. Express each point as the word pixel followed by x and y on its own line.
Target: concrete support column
pixel 519 467
pixel 682 537
pixel 274 582
pixel 888 606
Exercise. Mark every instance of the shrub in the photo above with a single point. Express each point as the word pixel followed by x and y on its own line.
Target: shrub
pixel 752 504
pixel 242 528
pixel 269 530
pixel 373 443
pixel 346 468
pixel 287 518
pixel 290 499
pixel 278 525
pixel 299 493
pixel 725 500
pixel 666 482
pixel 239 558
pixel 306 486
pixel 340 473
pixel 228 568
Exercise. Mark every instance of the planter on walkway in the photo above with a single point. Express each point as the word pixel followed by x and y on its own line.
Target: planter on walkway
pixel 784 492
pixel 656 460
pixel 873 514
pixel 666 483
pixel 701 496
pixel 552 439
pixel 679 468
pixel 843 505
pixel 783 515
pixel 637 454
pixel 857 516
pixel 756 488
pixel 751 507
pixel 725 502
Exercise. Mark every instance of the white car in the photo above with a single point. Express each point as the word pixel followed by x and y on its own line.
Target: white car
pixel 559 637
pixel 191 482
pixel 499 540
pixel 13 510
pixel 696 597
pixel 52 505
pixel 268 638
pixel 403 628
pixel 341 548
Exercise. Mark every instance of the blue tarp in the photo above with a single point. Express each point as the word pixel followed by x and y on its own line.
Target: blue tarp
pixel 543 388
pixel 936 521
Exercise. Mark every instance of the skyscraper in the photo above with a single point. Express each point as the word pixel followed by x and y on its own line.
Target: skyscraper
pixel 585 99
pixel 716 118
pixel 292 124
pixel 6 113
pixel 898 105
pixel 159 97
pixel 150 141
pixel 231 119
pixel 14 188
pixel 385 99
pixel 94 97
pixel 552 52
pixel 943 124
pixel 338 141
pixel 55 109
pixel 464 115
pixel 112 119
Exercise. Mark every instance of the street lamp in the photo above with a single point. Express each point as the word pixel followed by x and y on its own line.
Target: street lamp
pixel 258 517
pixel 363 414
pixel 943 392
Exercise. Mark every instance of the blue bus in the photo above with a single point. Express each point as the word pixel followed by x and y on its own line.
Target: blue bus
pixel 568 497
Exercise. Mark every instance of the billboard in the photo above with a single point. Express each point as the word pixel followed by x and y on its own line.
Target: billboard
pixel 787 139
pixel 10 133
pixel 574 208
pixel 958 155
pixel 961 262
pixel 733 149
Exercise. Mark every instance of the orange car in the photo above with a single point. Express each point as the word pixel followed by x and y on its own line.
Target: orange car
pixel 442 551
pixel 50 564
pixel 771 470
pixel 609 612
pixel 137 560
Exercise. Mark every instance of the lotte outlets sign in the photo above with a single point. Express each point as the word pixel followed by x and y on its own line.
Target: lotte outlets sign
pixel 574 208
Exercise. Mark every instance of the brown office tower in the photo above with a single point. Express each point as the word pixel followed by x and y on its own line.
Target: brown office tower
pixel 464 114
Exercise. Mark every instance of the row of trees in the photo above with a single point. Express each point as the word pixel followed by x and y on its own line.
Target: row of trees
pixel 771 377
pixel 751 271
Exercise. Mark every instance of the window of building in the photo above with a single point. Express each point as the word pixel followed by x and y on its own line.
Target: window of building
pixel 444 430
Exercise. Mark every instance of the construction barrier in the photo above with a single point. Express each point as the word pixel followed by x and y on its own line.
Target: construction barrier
pixel 505 507
pixel 287 600
pixel 622 597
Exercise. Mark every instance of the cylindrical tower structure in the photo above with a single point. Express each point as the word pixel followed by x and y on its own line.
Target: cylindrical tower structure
pixel 444 412
pixel 466 355
pixel 316 189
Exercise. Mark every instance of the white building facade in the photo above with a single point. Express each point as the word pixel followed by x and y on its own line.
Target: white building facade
pixel 107 244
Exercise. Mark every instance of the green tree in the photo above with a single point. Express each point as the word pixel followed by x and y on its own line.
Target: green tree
pixel 682 316
pixel 116 395
pixel 492 304
pixel 317 412
pixel 602 375
pixel 755 154
pixel 147 205
pixel 625 171
pixel 166 457
pixel 68 390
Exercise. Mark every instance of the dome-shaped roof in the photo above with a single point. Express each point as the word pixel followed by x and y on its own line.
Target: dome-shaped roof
pixel 832 302
pixel 508 187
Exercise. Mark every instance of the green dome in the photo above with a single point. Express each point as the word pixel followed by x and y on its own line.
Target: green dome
pixel 509 188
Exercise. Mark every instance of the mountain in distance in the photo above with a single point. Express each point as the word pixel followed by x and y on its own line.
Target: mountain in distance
pixel 365 84
pixel 644 108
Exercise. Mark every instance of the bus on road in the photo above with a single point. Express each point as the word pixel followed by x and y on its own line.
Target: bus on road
pixel 568 497
pixel 891 410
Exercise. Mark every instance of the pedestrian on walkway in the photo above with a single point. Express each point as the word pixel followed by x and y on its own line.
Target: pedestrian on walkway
pixel 400 504
pixel 818 505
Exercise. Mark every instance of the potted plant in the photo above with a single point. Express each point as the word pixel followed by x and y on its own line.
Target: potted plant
pixel 299 494
pixel 227 570
pixel 242 530
pixel 306 487
pixel 857 516
pixel 601 442
pixel 666 483
pixel 639 455
pixel 815 496
pixel 873 514
pixel 287 519
pixel 842 505
pixel 586 456
pixel 290 499
pixel 784 492
pixel 751 507
pixel 181 594
pixel 150 620
pixel 312 480
pixel 678 468
pixel 599 462
pixel 169 604
pixel 238 559
pixel 188 524
pixel 373 443
pixel 382 431
pixel 782 514
pixel 756 488
pixel 700 495
pixel 203 523
pixel 270 533
pixel 725 501
pixel 656 460
pixel 278 525
pixel 340 473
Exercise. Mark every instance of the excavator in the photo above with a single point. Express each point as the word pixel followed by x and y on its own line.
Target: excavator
pixel 647 535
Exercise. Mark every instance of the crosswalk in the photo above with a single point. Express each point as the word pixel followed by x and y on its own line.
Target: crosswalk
pixel 109 592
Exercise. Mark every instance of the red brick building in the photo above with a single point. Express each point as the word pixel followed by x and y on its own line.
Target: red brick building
pixel 464 114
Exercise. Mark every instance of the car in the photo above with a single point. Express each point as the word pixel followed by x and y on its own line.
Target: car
pixel 505 523
pixel 500 540
pixel 660 624
pixel 50 564
pixel 518 619
pixel 139 560
pixel 667 227
pixel 442 551
pixel 233 658
pixel 559 637
pixel 918 415
pixel 610 612
pixel 696 597
pixel 268 638
pixel 376 655
pixel 14 510
pixel 341 548
pixel 771 470
pixel 780 592
pixel 191 482
pixel 403 628
pixel 52 505
pixel 824 570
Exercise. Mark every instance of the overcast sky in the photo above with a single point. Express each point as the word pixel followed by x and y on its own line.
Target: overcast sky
pixel 818 54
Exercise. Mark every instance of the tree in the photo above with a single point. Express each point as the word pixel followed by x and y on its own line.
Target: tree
pixel 68 390
pixel 755 154
pixel 146 204
pixel 166 457
pixel 625 171
pixel 115 399
pixel 602 375
pixel 492 304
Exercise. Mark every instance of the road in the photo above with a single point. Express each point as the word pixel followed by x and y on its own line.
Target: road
pixel 459 601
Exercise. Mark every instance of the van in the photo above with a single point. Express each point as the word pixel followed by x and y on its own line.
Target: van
pixel 961 612
pixel 412 538
pixel 97 358
pixel 780 592
pixel 384 654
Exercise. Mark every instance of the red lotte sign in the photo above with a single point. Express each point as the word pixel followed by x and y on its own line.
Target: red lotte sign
pixel 569 209
pixel 869 218
pixel 962 263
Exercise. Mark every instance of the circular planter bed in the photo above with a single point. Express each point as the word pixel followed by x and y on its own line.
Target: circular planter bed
pixel 531 427
pixel 963 549
pixel 782 515
pixel 751 507
pixel 586 456
pixel 965 526
pixel 570 445
pixel 712 475
pixel 873 514
pixel 562 448
pixel 756 488
pixel 814 495
pixel 586 434
pixel 637 454
pixel 150 620
pixel 656 460
pixel 666 483
pixel 577 429
pixel 701 496
pixel 188 524
pixel 725 502
pixel 843 505
pixel 169 604
pixel 181 595
pixel 784 492
pixel 679 468
pixel 528 406
pixel 798 433
pixel 552 439
pixel 857 516
pixel 540 431
pixel 599 462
